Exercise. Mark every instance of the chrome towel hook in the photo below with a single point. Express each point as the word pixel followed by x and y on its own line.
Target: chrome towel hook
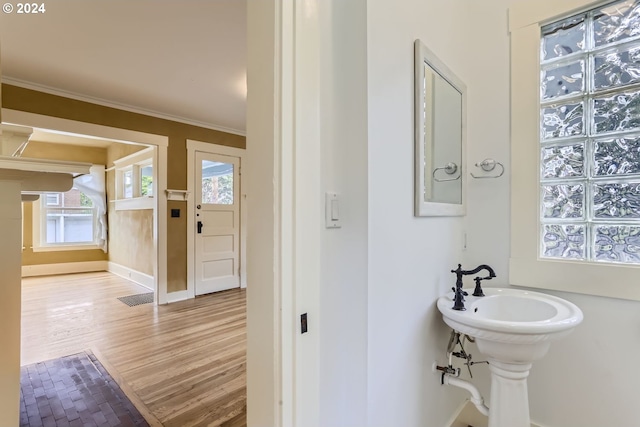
pixel 488 165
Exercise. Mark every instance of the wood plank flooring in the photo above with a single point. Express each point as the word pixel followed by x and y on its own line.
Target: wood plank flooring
pixel 185 363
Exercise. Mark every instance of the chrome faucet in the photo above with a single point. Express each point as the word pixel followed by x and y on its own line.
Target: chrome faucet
pixel 459 293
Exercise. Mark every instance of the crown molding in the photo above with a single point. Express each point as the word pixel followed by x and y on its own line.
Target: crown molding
pixel 120 106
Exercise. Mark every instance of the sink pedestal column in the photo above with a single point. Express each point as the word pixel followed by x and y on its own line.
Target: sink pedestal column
pixel 509 405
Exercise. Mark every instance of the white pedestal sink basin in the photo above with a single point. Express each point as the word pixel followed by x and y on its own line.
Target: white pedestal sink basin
pixel 512 328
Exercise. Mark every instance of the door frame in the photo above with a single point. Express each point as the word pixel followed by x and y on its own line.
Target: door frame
pixel 160 144
pixel 192 147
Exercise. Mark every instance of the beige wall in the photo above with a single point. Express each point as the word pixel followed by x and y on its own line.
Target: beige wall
pixel 9 307
pixel 65 152
pixel 27 100
pixel 43 150
pixel 131 238
pixel 118 151
pixel 130 231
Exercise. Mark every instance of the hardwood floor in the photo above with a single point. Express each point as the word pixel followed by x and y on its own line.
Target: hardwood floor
pixel 184 363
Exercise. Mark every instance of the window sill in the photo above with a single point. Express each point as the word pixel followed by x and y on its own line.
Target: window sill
pixel 63 247
pixel 598 279
pixel 136 203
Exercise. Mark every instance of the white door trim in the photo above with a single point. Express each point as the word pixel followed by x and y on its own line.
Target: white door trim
pixel 192 147
pixel 160 142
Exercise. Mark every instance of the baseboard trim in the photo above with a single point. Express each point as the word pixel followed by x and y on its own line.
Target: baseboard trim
pixel 177 296
pixel 63 268
pixel 138 277
pixel 468 415
pixel 453 421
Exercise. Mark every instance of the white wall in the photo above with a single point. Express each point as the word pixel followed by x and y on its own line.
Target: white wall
pixel 587 379
pixel 409 258
pixel 487 78
pixel 382 272
pixel 343 293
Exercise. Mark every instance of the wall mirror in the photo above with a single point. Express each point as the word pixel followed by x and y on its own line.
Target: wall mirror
pixel 440 109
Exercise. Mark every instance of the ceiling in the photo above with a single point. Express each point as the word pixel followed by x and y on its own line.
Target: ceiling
pixel 184 60
pixel 16 138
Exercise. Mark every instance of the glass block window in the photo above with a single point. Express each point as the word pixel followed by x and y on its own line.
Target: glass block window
pixel 590 136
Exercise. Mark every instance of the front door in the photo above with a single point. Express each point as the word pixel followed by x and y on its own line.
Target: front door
pixel 217 223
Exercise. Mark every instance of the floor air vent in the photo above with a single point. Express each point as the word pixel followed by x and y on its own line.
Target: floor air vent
pixel 138 299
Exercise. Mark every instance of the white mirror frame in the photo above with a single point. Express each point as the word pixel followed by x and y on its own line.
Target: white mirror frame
pixel 423 208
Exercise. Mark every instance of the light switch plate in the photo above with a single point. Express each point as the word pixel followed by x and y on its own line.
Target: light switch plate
pixel 332 215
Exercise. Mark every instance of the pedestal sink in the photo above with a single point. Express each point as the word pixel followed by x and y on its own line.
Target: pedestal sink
pixel 512 328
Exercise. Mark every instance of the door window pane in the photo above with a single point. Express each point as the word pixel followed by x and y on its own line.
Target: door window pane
pixel 217 183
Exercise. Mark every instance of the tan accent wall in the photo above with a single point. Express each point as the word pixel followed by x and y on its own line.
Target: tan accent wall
pixel 65 152
pixel 10 303
pixel 131 239
pixel 118 151
pixel 74 153
pixel 130 231
pixel 27 100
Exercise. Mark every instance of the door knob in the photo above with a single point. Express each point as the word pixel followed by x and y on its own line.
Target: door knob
pixel 199 227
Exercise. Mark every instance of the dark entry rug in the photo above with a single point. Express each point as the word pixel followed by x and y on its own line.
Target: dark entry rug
pixel 73 391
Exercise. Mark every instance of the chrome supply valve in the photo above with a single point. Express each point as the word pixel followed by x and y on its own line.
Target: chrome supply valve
pixel 455 341
pixel 449 370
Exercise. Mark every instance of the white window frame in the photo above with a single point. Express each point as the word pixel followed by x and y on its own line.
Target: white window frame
pixel 39 243
pixel 134 163
pixel 57 196
pixel 526 268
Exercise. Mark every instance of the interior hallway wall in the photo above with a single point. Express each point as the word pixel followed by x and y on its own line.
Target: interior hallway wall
pixel 586 379
pixel 343 290
pixel 409 258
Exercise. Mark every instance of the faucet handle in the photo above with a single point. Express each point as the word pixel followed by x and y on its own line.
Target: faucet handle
pixel 477 292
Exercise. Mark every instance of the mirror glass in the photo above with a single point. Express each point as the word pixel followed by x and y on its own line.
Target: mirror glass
pixel 439 137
